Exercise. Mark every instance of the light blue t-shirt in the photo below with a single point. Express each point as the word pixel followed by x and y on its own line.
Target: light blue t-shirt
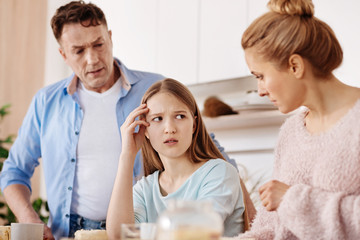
pixel 216 181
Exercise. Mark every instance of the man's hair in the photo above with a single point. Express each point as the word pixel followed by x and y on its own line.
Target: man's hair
pixel 202 148
pixel 87 14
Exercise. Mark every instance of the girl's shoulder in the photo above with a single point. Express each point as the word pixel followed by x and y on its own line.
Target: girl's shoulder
pixel 147 181
pixel 218 162
pixel 219 168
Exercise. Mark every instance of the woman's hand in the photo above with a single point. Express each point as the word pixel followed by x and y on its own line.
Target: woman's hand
pixel 271 194
pixel 132 141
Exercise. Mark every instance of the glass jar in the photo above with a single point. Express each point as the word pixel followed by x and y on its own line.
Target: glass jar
pixel 189 220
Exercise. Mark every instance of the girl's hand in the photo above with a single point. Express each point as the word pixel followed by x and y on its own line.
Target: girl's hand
pixel 132 141
pixel 271 194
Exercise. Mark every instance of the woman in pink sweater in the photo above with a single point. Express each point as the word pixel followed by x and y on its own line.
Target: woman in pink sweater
pixel 315 193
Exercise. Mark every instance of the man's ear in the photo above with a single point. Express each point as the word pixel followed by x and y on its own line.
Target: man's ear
pixel 62 53
pixel 297 65
pixel 110 34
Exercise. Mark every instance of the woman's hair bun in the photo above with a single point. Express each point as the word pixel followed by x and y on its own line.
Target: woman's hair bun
pixel 303 8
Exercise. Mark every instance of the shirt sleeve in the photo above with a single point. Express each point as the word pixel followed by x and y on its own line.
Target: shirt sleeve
pixel 222 151
pixel 335 214
pixel 222 187
pixel 139 201
pixel 23 157
pixel 263 227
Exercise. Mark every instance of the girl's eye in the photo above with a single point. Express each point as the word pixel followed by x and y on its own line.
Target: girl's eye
pixel 157 119
pixel 79 51
pixel 259 77
pixel 180 116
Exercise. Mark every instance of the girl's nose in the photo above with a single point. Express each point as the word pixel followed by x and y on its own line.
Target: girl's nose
pixel 170 127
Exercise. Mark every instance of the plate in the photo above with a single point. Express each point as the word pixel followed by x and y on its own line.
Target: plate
pixel 254 107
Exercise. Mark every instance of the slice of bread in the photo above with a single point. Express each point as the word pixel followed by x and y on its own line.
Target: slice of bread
pixel 91 235
pixel 5 232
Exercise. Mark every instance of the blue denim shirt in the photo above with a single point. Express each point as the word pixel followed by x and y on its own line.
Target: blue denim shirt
pixel 50 131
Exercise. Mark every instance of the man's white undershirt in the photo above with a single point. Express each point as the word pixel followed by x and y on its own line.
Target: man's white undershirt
pixel 98 152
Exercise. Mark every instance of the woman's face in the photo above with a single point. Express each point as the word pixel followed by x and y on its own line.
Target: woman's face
pixel 280 86
pixel 171 125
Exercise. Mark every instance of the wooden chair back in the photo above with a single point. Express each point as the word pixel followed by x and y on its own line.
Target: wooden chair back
pixel 250 210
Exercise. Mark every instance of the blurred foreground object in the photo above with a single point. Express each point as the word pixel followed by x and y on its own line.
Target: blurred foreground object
pixel 5 232
pixel 189 220
pixel 91 235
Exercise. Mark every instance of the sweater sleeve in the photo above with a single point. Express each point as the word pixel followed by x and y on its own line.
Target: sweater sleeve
pixel 263 227
pixel 332 215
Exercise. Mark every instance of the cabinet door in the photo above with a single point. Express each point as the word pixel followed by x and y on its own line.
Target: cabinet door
pixel 256 9
pixel 177 39
pixel 134 25
pixel 343 17
pixel 222 23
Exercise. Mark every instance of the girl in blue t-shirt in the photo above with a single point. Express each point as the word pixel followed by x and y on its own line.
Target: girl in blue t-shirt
pixel 180 161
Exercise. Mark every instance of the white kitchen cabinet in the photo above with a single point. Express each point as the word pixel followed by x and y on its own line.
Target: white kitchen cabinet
pixel 222 23
pixel 177 39
pixel 255 9
pixel 134 31
pixel 343 17
pixel 199 40
pixel 189 40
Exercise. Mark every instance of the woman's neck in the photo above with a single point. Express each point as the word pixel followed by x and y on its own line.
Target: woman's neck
pixel 328 101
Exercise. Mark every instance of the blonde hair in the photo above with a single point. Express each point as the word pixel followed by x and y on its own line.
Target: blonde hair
pixel 290 27
pixel 202 147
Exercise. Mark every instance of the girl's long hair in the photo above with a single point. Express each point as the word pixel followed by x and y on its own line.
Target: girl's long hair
pixel 202 147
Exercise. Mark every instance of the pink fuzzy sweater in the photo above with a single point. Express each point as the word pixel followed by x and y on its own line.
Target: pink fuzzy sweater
pixel 323 171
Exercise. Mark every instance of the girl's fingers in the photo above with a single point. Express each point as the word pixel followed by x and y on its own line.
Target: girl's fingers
pixel 138 123
pixel 137 112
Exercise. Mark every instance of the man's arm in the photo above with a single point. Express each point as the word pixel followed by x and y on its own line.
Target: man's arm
pixel 17 197
pixel 221 149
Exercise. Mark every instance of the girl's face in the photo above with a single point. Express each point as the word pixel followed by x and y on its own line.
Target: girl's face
pixel 280 86
pixel 171 125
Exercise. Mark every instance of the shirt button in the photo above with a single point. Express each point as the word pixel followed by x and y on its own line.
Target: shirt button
pixel 73 160
pixel 77 132
pixel 67 215
pixel 69 188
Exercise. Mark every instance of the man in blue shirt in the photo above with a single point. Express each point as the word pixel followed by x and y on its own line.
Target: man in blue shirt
pixel 73 125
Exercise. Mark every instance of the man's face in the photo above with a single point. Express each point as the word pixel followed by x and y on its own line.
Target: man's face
pixel 88 51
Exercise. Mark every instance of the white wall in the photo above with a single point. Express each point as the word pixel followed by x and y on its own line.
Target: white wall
pixel 140 22
pixel 55 67
pixel 344 18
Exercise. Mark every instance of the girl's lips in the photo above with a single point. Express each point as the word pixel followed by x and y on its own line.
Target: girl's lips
pixel 170 141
